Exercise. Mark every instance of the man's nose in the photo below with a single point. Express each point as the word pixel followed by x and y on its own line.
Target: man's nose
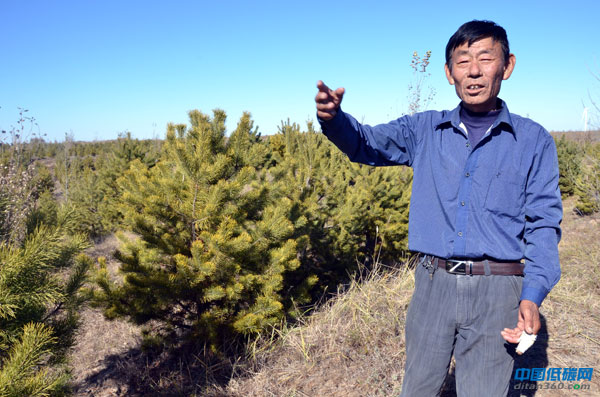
pixel 474 69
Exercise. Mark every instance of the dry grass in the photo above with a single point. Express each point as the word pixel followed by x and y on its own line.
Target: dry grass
pixel 352 346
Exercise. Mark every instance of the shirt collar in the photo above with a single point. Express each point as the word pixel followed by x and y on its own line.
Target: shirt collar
pixel 453 117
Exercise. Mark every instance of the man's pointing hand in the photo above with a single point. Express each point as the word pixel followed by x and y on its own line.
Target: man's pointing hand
pixel 328 101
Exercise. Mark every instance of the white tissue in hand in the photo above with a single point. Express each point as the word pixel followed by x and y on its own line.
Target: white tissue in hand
pixel 525 342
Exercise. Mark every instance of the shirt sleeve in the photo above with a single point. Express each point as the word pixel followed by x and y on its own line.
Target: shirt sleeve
pixel 543 215
pixel 393 143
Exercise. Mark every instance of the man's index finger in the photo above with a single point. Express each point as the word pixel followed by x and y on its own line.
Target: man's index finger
pixel 323 87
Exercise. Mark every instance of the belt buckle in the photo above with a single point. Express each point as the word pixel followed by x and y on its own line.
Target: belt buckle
pixel 459 267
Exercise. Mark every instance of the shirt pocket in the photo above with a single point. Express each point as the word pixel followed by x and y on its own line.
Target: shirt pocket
pixel 506 194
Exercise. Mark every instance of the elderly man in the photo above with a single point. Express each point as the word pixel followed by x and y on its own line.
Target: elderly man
pixel 485 216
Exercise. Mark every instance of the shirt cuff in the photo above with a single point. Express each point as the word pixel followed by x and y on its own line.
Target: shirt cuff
pixel 334 124
pixel 533 294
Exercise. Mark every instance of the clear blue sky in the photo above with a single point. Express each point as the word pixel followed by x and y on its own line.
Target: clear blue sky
pixel 97 68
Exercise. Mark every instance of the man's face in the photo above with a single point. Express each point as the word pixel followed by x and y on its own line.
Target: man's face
pixel 477 72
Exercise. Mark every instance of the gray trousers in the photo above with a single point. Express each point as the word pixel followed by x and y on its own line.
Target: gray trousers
pixel 463 315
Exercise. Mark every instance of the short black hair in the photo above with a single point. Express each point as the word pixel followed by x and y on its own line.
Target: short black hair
pixel 475 30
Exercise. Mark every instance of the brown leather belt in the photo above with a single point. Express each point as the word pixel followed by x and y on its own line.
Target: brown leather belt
pixel 467 267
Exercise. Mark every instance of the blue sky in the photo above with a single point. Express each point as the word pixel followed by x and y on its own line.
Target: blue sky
pixel 97 68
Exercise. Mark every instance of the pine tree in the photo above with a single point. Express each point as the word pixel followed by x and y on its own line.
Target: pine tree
pixel 93 189
pixel 30 296
pixel 587 181
pixel 348 210
pixel 86 198
pixel 110 166
pixel 212 246
pixel 22 372
pixel 569 164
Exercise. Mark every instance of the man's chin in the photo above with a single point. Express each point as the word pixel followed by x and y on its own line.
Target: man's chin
pixel 478 106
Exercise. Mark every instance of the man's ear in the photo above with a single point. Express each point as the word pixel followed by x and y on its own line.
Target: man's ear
pixel 509 67
pixel 448 74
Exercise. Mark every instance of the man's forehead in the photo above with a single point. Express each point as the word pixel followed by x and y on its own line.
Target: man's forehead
pixel 484 44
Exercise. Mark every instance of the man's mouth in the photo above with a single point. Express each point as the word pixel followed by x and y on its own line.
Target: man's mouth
pixel 474 88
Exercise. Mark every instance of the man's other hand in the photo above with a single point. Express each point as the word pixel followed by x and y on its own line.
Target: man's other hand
pixel 328 101
pixel 529 321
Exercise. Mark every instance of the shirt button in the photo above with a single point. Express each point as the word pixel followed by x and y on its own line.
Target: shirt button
pixel 462 203
pixel 468 144
pixel 459 234
pixel 467 175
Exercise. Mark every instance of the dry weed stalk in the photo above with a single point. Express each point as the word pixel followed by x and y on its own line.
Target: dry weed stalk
pixel 17 192
pixel 418 99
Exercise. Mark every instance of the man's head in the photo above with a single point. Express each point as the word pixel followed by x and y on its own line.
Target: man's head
pixel 477 60
pixel 472 31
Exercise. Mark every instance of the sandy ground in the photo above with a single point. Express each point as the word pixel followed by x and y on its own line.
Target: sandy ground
pixel 101 344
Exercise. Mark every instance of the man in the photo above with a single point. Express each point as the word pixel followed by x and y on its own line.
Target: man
pixel 485 216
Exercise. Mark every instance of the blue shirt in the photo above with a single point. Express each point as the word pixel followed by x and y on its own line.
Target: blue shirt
pixel 498 200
